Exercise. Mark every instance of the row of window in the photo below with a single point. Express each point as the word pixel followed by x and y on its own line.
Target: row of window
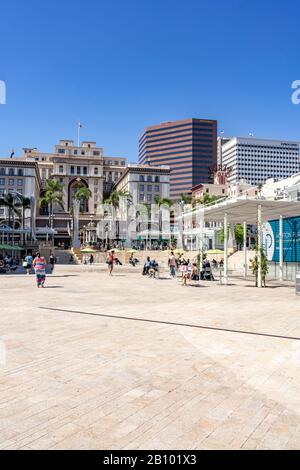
pixel 149 188
pixel 149 198
pixel 10 190
pixel 12 182
pixel 96 153
pixel 11 172
pixel 149 179
pixel 78 170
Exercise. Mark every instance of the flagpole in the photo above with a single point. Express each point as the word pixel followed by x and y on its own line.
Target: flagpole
pixel 78 133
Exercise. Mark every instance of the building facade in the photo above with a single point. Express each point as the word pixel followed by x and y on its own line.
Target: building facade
pixel 188 147
pixel 74 167
pixel 145 182
pixel 20 178
pixel 256 160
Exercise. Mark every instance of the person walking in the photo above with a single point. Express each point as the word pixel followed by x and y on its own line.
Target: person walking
pixel 52 262
pixel 173 265
pixel 110 262
pixel 28 263
pixel 39 265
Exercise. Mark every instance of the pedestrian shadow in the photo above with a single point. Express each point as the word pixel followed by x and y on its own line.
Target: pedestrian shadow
pixel 270 287
pixel 54 287
pixel 66 275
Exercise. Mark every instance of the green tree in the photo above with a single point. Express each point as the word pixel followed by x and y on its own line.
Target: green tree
pixel 13 205
pixel 185 199
pixel 25 204
pixel 83 195
pixel 162 202
pixel 238 234
pixel 264 267
pixel 207 199
pixel 115 198
pixel 52 196
pixel 114 201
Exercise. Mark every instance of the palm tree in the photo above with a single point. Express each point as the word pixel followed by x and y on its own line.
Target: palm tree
pixel 162 202
pixel 52 195
pixel 185 199
pixel 12 203
pixel 25 203
pixel 114 201
pixel 116 196
pixel 83 195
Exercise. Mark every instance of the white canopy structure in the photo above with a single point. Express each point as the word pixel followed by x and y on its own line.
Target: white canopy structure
pixel 245 210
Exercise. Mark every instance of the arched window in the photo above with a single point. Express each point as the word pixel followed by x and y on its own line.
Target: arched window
pixel 2 171
pixel 149 179
pixel 142 179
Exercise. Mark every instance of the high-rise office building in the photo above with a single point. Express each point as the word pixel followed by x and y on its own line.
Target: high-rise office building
pixel 188 147
pixel 256 160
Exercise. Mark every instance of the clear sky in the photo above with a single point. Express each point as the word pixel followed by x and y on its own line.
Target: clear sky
pixel 118 66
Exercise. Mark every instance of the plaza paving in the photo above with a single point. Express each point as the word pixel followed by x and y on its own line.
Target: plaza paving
pixel 77 376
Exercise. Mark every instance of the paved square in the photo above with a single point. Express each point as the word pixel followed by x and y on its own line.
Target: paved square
pixel 77 376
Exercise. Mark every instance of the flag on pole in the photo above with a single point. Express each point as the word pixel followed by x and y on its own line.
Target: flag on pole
pixel 79 127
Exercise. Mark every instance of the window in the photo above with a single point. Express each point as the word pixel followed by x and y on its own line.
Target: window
pixel 62 151
pixel 61 169
pixel 11 182
pixel 2 171
pixel 157 188
pixel 142 178
pixel 78 170
pixel 83 153
pixel 149 197
pixel 96 153
pixel 20 182
pixel 11 172
pixel 72 170
pixel 20 172
pixel 156 179
pixel 2 181
pixel 96 171
pixel 149 179
pixel 85 170
pixel 75 152
pixel 142 188
pixel 142 197
pixel 149 189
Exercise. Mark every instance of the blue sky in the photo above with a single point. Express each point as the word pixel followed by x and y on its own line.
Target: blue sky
pixel 120 66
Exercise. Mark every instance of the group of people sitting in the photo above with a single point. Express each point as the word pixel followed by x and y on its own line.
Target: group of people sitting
pixel 189 270
pixel 8 264
pixel 151 268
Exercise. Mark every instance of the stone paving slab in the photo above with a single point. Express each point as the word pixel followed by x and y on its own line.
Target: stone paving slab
pixel 187 368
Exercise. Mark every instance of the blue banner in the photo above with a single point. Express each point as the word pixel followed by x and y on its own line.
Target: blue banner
pixel 291 240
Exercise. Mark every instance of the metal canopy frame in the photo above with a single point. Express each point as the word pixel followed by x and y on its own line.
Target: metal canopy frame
pixel 254 211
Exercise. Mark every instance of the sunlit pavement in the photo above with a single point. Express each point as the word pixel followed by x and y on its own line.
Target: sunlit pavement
pixel 198 367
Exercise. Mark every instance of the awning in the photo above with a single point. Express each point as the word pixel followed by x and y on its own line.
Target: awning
pixel 245 210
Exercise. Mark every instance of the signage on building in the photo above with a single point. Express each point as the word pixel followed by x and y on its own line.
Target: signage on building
pixel 291 240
